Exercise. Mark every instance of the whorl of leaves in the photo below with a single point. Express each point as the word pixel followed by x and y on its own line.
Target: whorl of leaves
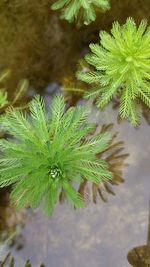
pixel 80 10
pixel 49 152
pixel 121 65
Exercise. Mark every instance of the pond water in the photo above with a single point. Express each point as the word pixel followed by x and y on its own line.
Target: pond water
pixel 102 234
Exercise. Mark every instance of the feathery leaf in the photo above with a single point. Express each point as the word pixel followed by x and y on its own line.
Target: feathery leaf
pixel 122 68
pixel 80 10
pixel 50 151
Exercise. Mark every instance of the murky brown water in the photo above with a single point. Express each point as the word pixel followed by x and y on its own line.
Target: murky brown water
pixel 100 235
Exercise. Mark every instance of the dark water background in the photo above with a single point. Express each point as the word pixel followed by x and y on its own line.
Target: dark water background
pixel 100 235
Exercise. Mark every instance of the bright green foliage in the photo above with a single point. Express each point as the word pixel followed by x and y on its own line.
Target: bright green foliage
pixel 49 152
pixel 80 9
pixel 3 98
pixel 122 68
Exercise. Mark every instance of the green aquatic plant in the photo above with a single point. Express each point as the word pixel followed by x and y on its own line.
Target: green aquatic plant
pixel 84 10
pixel 115 157
pixel 18 93
pixel 3 93
pixel 3 98
pixel 49 153
pixel 121 67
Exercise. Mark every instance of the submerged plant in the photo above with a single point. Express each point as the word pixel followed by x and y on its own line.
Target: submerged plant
pixel 3 98
pixel 49 152
pixel 121 68
pixel 18 93
pixel 80 9
pixel 3 93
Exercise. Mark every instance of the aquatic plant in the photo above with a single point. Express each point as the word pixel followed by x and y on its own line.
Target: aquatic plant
pixel 3 98
pixel 115 157
pixel 3 93
pixel 80 10
pixel 49 153
pixel 17 95
pixel 121 68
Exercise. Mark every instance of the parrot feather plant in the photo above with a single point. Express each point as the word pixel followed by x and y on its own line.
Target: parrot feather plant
pixel 84 10
pixel 120 67
pixel 17 95
pixel 3 98
pixel 3 93
pixel 49 153
pixel 115 157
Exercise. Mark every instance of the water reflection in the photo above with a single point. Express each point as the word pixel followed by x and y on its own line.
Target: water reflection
pixel 71 236
pixel 10 261
pixel 100 235
pixel 11 225
pixel 115 157
pixel 140 256
pixel 10 219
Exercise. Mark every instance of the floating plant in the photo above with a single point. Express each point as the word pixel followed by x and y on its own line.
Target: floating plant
pixel 120 68
pixel 115 158
pixel 80 10
pixel 54 154
pixel 49 152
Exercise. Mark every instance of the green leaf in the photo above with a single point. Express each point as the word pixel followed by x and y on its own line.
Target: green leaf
pixel 81 10
pixel 73 195
pixel 3 98
pixel 119 65
pixel 50 152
